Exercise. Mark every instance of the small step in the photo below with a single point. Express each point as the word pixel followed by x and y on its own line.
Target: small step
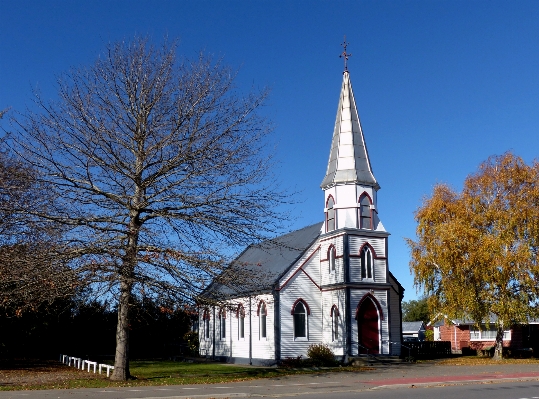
pixel 373 360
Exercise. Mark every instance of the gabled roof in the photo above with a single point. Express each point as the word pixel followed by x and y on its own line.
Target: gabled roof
pixel 260 266
pixel 348 159
pixel 412 326
pixel 492 319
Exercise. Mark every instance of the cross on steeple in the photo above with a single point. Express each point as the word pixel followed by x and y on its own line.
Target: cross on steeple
pixel 345 55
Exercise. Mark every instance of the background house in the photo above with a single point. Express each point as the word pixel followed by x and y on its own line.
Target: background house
pixel 413 331
pixel 464 334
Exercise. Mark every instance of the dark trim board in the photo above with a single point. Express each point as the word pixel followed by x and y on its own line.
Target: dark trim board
pixel 245 360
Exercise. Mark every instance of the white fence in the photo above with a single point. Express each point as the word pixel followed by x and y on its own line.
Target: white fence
pixel 85 364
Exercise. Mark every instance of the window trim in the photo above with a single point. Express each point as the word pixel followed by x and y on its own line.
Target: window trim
pixel 262 306
pixel 360 224
pixel 332 209
pixel 367 249
pixel 483 329
pixel 206 325
pixel 222 322
pixel 240 314
pixel 334 323
pixel 307 314
pixel 332 255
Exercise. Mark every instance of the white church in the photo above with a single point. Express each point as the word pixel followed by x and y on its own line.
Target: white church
pixel 326 283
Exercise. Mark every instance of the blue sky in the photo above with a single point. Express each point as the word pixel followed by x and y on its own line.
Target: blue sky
pixel 440 85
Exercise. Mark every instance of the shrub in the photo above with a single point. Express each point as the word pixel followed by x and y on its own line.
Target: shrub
pixel 321 355
pixel 191 339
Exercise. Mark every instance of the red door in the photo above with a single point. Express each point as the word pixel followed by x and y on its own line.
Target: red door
pixel 367 326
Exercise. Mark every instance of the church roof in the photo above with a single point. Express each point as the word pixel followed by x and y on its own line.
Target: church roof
pixel 261 265
pixel 348 159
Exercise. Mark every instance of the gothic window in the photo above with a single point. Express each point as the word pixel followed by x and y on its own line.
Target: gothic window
pixel 331 258
pixel 206 324
pixel 263 315
pixel 222 323
pixel 366 263
pixel 365 212
pixel 330 224
pixel 241 322
pixel 334 323
pixel 300 320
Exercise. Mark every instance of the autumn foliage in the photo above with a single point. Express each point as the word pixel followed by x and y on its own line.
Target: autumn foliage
pixel 476 250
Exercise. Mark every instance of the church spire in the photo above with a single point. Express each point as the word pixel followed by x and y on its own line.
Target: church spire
pixel 348 159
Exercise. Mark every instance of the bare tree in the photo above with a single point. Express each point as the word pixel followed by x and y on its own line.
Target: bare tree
pixel 31 272
pixel 157 167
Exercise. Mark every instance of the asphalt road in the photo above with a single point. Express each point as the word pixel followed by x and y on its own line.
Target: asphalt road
pixel 403 381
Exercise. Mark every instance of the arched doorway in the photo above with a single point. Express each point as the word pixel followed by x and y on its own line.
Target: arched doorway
pixel 367 328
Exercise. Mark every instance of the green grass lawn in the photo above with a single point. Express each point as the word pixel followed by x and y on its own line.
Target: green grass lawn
pixel 56 376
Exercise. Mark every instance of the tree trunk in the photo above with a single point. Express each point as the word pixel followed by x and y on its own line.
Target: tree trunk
pixel 498 347
pixel 121 357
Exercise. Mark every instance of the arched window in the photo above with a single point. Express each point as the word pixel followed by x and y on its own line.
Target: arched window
pixel 222 323
pixel 366 263
pixel 300 320
pixel 331 258
pixel 330 223
pixel 334 323
pixel 241 322
pixel 206 323
pixel 365 212
pixel 263 314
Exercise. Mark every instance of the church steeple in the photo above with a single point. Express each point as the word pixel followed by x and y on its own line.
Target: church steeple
pixel 348 159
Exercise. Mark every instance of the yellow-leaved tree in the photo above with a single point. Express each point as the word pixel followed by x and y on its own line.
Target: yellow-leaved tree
pixel 476 251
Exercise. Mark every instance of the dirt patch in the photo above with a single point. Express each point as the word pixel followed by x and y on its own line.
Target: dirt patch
pixel 26 373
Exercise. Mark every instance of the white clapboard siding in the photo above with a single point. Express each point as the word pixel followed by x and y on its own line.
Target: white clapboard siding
pixel 378 244
pixel 205 345
pixel 234 346
pixel 330 298
pixel 240 346
pixel 312 266
pixel 310 258
pixel 347 217
pixel 222 344
pixel 328 276
pixel 394 300
pixel 380 270
pixel 300 286
pixel 381 297
pixel 263 348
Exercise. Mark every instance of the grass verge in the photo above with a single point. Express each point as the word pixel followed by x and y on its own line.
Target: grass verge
pixel 57 376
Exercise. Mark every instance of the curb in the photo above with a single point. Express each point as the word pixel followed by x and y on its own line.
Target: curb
pixel 455 382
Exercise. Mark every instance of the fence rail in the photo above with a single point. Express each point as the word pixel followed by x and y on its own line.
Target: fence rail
pixel 82 364
pixel 429 349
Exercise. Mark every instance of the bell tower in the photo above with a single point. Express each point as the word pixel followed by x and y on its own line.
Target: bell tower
pixel 350 188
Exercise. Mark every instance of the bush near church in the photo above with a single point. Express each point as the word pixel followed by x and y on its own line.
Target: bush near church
pixel 321 355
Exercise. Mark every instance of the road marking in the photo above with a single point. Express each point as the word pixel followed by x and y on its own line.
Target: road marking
pixel 220 395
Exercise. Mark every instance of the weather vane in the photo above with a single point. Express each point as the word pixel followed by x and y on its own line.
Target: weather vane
pixel 345 55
